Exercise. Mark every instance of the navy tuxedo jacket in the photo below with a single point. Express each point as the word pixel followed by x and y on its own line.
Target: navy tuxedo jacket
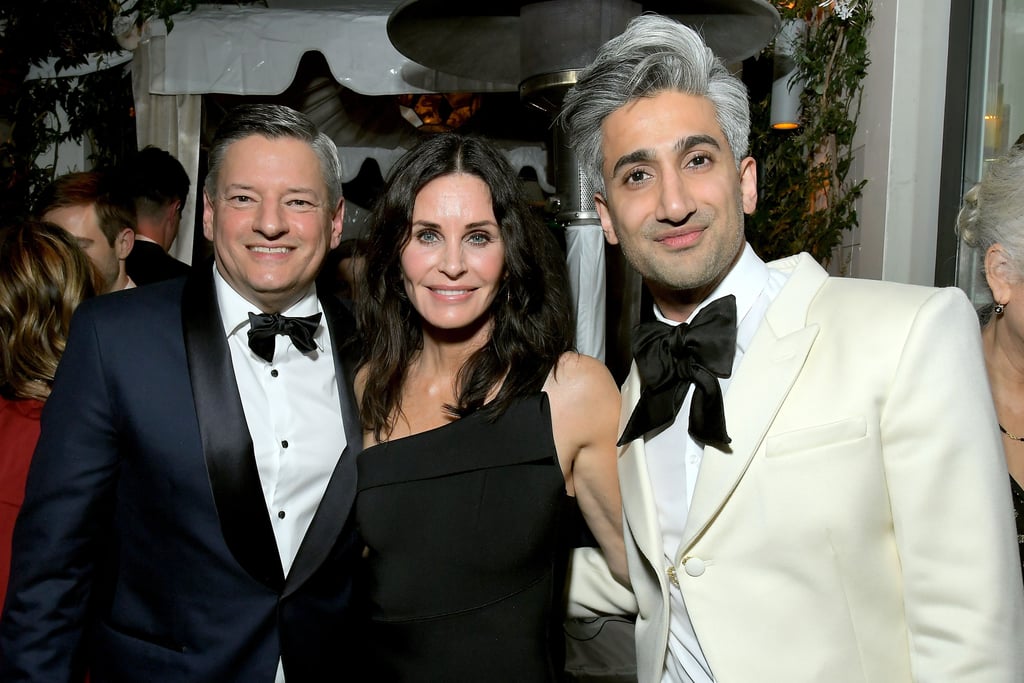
pixel 144 550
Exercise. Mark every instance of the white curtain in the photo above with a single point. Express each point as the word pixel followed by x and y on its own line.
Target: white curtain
pixel 585 255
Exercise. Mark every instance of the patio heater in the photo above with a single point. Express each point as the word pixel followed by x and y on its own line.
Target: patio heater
pixel 541 46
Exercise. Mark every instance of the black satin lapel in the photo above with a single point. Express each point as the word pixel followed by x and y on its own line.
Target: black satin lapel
pixel 227 445
pixel 342 326
pixel 336 505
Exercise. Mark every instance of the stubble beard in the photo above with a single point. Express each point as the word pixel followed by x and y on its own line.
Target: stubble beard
pixel 670 273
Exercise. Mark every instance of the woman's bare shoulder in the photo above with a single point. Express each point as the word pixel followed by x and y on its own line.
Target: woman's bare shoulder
pixel 577 376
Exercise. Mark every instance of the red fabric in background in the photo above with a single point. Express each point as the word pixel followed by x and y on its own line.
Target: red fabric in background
pixel 19 431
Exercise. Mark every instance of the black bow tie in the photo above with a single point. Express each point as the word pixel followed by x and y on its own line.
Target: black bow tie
pixel 670 359
pixel 264 327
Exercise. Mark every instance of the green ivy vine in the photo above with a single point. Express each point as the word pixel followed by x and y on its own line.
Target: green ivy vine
pixel 807 199
pixel 99 105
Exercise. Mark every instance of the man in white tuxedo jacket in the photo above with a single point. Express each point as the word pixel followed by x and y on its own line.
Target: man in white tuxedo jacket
pixel 851 519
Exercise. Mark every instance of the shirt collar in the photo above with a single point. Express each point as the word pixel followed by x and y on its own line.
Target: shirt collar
pixel 235 309
pixel 746 280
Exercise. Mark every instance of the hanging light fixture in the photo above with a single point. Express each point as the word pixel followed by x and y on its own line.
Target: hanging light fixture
pixel 787 86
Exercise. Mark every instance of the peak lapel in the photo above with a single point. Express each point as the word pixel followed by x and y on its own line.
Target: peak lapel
pixel 763 380
pixel 634 480
pixel 757 392
pixel 227 445
pixel 336 505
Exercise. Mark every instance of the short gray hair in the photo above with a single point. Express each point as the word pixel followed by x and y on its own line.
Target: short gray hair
pixel 653 55
pixel 274 121
pixel 993 210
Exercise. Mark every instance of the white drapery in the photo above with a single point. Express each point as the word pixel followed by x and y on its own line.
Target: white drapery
pixel 585 258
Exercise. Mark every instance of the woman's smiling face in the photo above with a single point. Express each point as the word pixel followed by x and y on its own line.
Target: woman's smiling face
pixel 455 258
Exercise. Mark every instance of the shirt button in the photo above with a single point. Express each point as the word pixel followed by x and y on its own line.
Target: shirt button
pixel 280 515
pixel 273 373
pixel 284 444
pixel 694 566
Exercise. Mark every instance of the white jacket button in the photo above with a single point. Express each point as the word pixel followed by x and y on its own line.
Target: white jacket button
pixel 694 566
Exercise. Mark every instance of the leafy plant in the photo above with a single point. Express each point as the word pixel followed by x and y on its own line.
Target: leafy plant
pixel 807 199
pixel 98 105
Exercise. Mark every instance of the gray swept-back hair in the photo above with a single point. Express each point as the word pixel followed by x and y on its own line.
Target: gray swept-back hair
pixel 993 210
pixel 653 55
pixel 274 121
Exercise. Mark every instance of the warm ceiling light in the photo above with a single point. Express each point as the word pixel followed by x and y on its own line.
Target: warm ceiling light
pixel 787 86
pixel 438 112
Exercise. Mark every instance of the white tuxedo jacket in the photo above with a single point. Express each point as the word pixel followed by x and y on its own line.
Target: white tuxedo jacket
pixel 860 528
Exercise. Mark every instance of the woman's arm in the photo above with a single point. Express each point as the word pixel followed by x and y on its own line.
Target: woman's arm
pixel 585 420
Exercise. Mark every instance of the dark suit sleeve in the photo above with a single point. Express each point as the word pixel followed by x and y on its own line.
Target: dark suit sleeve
pixel 59 536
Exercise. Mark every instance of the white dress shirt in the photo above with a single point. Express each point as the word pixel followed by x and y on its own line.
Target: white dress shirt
pixel 293 411
pixel 673 457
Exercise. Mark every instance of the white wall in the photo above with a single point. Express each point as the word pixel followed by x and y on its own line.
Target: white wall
pixel 899 141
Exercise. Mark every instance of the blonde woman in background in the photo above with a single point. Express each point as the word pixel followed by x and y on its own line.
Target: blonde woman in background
pixel 45 275
pixel 992 221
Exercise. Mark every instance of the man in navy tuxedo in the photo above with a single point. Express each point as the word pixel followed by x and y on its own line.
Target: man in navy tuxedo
pixel 187 511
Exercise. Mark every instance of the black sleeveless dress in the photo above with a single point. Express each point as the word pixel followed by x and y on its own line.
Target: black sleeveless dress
pixel 467 528
pixel 1018 512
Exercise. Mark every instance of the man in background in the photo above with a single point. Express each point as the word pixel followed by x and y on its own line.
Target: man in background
pixel 90 206
pixel 158 184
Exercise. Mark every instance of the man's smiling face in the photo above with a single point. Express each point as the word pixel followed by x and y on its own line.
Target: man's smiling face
pixel 674 199
pixel 270 221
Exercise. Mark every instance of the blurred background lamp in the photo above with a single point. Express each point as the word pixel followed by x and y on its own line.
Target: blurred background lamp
pixel 787 88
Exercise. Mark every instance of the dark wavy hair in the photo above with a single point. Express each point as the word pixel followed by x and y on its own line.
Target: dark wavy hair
pixel 533 315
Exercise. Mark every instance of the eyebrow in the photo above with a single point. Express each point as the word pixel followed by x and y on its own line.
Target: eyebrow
pixel 290 190
pixel 468 226
pixel 682 145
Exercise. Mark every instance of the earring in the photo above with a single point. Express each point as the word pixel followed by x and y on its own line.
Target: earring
pixel 998 309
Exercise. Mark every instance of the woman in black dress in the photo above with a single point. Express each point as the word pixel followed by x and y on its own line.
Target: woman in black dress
pixel 484 430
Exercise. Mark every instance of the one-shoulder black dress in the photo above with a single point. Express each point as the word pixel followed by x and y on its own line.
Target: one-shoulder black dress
pixel 1018 512
pixel 466 528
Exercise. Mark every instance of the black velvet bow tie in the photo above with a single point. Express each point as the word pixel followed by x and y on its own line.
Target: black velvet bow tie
pixel 670 359
pixel 264 328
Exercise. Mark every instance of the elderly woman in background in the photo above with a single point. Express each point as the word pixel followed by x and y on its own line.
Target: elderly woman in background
pixel 45 275
pixel 992 221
